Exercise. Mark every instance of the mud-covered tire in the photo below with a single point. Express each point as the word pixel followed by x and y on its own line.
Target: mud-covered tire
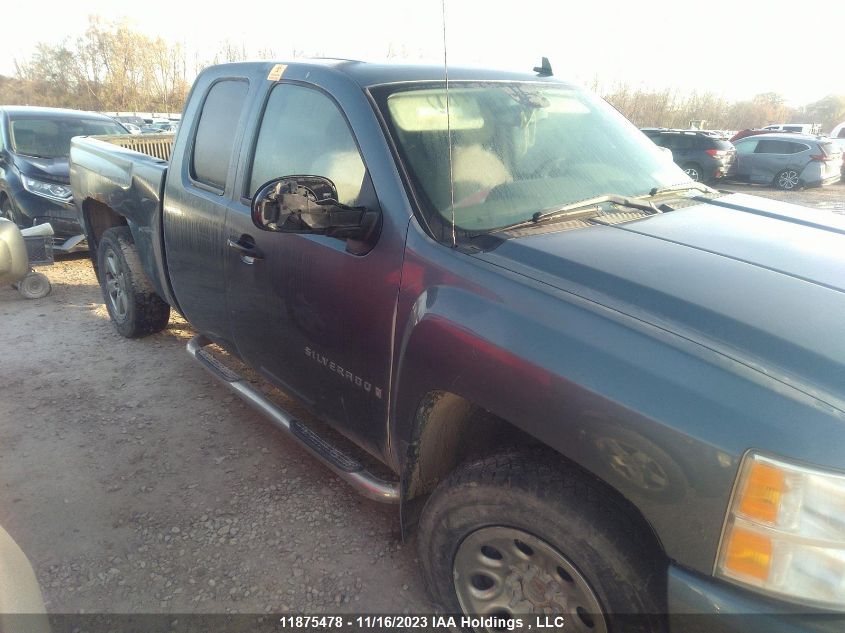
pixel 134 307
pixel 594 532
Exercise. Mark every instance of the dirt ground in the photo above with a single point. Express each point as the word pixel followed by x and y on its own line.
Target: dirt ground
pixel 831 198
pixel 135 484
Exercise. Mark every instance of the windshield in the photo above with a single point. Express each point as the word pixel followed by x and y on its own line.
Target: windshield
pixel 517 148
pixel 50 137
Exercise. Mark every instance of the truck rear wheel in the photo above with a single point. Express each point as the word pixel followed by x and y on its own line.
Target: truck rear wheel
pixel 519 535
pixel 134 307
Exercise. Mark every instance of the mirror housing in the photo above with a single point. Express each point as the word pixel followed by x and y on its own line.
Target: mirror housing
pixel 308 204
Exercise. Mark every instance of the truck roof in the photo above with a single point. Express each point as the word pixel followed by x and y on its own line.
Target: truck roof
pixel 368 74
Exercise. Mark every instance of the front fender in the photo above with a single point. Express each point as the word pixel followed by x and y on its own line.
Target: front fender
pixel 660 418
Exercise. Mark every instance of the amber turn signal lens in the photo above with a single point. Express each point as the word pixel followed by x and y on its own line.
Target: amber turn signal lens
pixel 748 554
pixel 784 533
pixel 761 495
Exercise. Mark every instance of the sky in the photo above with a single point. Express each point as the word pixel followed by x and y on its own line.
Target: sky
pixel 735 48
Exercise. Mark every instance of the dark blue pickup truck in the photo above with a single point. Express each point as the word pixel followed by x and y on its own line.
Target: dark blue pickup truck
pixel 597 389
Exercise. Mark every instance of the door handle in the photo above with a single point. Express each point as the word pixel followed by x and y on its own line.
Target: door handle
pixel 245 245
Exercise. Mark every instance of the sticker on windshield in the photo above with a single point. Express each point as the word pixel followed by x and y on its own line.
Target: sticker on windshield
pixel 276 72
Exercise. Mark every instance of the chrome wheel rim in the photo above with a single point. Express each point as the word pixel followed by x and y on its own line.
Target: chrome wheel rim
pixel 502 571
pixel 692 172
pixel 788 179
pixel 116 286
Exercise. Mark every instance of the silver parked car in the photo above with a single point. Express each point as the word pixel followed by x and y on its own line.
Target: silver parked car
pixel 787 161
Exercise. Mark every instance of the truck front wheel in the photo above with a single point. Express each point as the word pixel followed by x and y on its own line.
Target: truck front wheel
pixel 521 535
pixel 134 307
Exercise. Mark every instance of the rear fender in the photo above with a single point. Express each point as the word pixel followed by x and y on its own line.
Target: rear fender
pixel 119 181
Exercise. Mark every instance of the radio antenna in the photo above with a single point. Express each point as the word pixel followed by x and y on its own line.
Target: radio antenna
pixel 449 127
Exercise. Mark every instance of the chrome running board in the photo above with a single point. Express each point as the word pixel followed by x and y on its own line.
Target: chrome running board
pixel 345 466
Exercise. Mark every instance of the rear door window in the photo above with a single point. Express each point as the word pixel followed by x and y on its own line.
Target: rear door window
pixel 746 147
pixel 797 148
pixel 215 138
pixel 664 140
pixel 685 142
pixel 773 146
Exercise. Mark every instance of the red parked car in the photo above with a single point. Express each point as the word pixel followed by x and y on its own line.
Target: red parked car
pixel 745 133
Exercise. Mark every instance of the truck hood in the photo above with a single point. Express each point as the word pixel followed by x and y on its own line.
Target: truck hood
pixel 52 169
pixel 758 280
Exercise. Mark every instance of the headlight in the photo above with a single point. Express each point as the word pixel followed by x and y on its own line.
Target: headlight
pixel 51 190
pixel 785 532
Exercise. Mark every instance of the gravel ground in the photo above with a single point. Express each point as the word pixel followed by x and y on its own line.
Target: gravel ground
pixel 831 198
pixel 135 484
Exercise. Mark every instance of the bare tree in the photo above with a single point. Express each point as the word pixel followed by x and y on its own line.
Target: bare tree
pixel 112 67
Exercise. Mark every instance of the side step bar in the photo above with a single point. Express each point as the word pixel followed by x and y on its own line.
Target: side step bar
pixel 346 467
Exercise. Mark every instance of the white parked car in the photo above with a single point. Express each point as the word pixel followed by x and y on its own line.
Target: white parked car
pixel 800 128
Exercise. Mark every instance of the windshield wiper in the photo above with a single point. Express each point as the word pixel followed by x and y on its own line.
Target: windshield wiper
pixel 681 187
pixel 582 208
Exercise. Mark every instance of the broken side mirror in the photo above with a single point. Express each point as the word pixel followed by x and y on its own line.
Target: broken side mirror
pixel 308 204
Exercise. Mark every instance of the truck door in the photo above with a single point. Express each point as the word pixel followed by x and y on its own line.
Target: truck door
pixel 312 313
pixel 195 208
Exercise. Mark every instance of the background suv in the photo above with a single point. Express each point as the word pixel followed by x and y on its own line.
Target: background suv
pixel 788 161
pixel 704 157
pixel 34 172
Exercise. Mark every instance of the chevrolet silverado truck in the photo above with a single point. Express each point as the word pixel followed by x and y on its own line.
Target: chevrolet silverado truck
pixel 595 388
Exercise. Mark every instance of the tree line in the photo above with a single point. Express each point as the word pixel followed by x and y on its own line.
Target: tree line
pixel 112 67
pixel 669 108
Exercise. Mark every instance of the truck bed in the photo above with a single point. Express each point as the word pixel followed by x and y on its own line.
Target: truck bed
pixel 126 174
pixel 155 145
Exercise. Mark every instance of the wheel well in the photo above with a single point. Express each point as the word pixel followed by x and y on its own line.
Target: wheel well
pixel 444 424
pixel 450 430
pixel 99 217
